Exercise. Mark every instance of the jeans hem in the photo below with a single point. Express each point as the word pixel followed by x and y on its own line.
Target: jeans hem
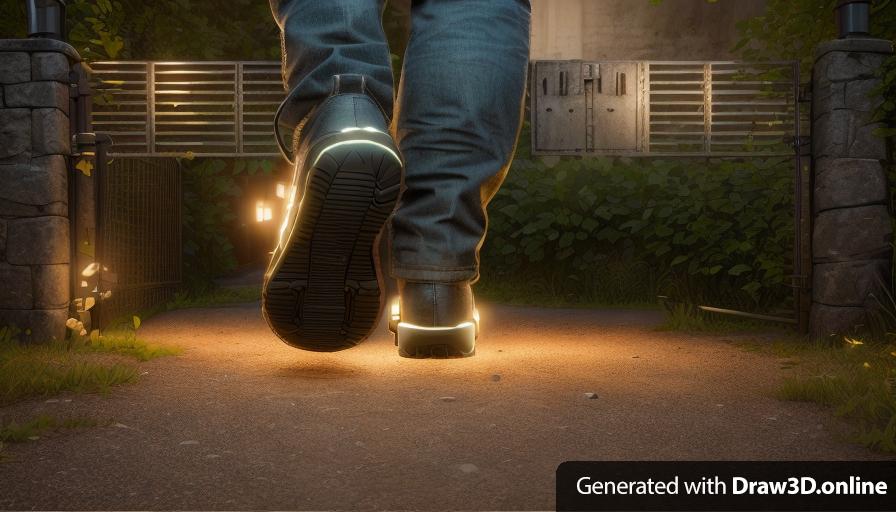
pixel 453 275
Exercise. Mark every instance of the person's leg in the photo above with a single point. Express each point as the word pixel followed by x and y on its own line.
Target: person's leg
pixel 320 39
pixel 459 114
pixel 323 287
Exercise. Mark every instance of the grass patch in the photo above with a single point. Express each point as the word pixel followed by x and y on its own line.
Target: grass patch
pixel 80 364
pixel 215 297
pixel 125 342
pixel 857 380
pixel 48 369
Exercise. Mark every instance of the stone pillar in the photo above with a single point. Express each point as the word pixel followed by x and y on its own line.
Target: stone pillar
pixel 852 232
pixel 35 145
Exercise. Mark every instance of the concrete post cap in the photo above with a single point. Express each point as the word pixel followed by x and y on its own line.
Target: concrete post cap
pixel 855 45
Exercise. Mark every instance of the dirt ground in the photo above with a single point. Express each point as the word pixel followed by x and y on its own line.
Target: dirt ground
pixel 242 421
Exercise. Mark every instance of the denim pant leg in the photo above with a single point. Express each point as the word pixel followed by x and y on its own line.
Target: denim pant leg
pixel 325 38
pixel 459 113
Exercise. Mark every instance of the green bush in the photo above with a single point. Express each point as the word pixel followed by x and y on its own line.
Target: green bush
pixel 210 188
pixel 703 230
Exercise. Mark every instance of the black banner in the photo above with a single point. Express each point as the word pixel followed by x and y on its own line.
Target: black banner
pixel 784 486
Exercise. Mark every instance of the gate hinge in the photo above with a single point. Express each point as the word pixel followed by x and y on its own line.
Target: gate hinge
pixel 798 142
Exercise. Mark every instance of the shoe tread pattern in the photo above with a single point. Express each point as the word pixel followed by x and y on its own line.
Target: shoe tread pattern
pixel 326 294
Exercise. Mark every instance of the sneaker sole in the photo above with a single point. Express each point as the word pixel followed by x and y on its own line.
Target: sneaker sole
pixel 324 291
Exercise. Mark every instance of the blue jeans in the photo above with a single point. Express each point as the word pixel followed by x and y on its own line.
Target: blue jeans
pixel 456 119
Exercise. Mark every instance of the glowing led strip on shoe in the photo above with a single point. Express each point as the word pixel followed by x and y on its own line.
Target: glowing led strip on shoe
pixel 356 141
pixel 412 338
pixel 366 129
pixel 462 325
pixel 395 320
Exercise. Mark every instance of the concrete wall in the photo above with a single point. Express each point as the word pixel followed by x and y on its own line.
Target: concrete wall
pixel 34 151
pixel 851 241
pixel 638 30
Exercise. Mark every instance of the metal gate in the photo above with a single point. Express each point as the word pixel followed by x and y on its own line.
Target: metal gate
pixel 681 109
pixel 652 108
pixel 632 108
pixel 125 218
pixel 140 225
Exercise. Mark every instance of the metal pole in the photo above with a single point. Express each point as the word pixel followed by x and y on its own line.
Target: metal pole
pixel 103 141
pixel 853 18
pixel 799 276
pixel 46 19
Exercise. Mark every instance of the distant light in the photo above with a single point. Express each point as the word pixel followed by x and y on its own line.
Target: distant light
pixel 281 190
pixel 263 212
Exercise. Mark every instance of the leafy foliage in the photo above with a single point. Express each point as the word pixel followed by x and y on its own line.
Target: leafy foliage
pixel 724 226
pixel 161 29
pixel 791 29
pixel 722 229
pixel 177 29
pixel 210 189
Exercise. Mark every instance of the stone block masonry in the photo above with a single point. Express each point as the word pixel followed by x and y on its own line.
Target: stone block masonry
pixel 852 231
pixel 35 145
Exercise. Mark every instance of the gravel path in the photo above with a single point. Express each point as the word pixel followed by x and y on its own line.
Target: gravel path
pixel 242 421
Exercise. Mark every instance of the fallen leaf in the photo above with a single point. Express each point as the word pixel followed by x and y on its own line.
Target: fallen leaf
pixel 91 270
pixel 84 166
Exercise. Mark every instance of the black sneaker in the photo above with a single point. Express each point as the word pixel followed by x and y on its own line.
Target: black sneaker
pixel 435 320
pixel 322 289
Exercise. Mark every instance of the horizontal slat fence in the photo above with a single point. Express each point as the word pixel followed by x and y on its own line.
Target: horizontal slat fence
pixel 227 108
pixel 683 108
pixel 178 108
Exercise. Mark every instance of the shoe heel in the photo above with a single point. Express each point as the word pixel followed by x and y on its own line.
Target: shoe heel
pixel 424 342
pixel 421 342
